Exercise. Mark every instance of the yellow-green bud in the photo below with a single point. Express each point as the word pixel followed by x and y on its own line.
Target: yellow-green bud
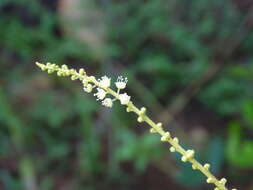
pixel 207 166
pixel 143 111
pixel 172 149
pixel 81 72
pixel 59 73
pixel 165 137
pixel 72 71
pixel 50 71
pixel 183 158
pixel 209 180
pixel 189 154
pixel 64 67
pixel 175 140
pixel 74 77
pixel 223 181
pixel 140 119
pixel 152 130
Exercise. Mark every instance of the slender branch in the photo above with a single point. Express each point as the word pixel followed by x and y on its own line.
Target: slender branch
pixel 103 87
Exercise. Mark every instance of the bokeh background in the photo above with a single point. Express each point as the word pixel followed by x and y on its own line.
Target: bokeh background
pixel 188 61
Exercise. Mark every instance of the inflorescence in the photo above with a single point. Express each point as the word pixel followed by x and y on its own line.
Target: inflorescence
pixel 107 96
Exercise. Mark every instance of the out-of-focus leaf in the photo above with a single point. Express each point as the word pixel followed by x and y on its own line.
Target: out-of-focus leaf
pixel 189 177
pixel 239 150
pixel 58 151
pixel 90 147
pixel 46 183
pixel 45 109
pixel 13 123
pixel 156 64
pixel 215 153
pixel 141 150
pixel 225 95
pixel 241 71
pixel 27 173
pixel 8 181
pixel 248 113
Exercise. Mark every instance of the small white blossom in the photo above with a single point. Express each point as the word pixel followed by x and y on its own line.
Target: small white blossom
pixel 88 88
pixel 105 82
pixel 107 102
pixel 100 94
pixel 124 98
pixel 121 82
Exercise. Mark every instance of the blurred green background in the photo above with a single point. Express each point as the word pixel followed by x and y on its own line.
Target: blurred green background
pixel 188 61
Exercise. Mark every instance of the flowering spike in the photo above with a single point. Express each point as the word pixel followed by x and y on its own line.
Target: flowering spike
pixel 103 88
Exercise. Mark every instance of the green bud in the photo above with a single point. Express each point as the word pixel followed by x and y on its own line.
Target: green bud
pixel 81 71
pixel 72 71
pixel 59 73
pixel 50 71
pixel 64 67
pixel 74 77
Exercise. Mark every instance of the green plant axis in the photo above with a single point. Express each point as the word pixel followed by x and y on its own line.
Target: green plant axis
pixel 103 87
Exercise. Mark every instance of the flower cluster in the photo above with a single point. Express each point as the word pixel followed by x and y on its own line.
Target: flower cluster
pixel 104 83
pixel 103 90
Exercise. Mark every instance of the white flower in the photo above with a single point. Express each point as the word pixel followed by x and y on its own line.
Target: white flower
pixel 100 94
pixel 121 82
pixel 107 102
pixel 88 88
pixel 124 98
pixel 105 82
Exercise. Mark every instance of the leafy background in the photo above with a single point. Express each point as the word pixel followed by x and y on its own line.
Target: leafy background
pixel 189 62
